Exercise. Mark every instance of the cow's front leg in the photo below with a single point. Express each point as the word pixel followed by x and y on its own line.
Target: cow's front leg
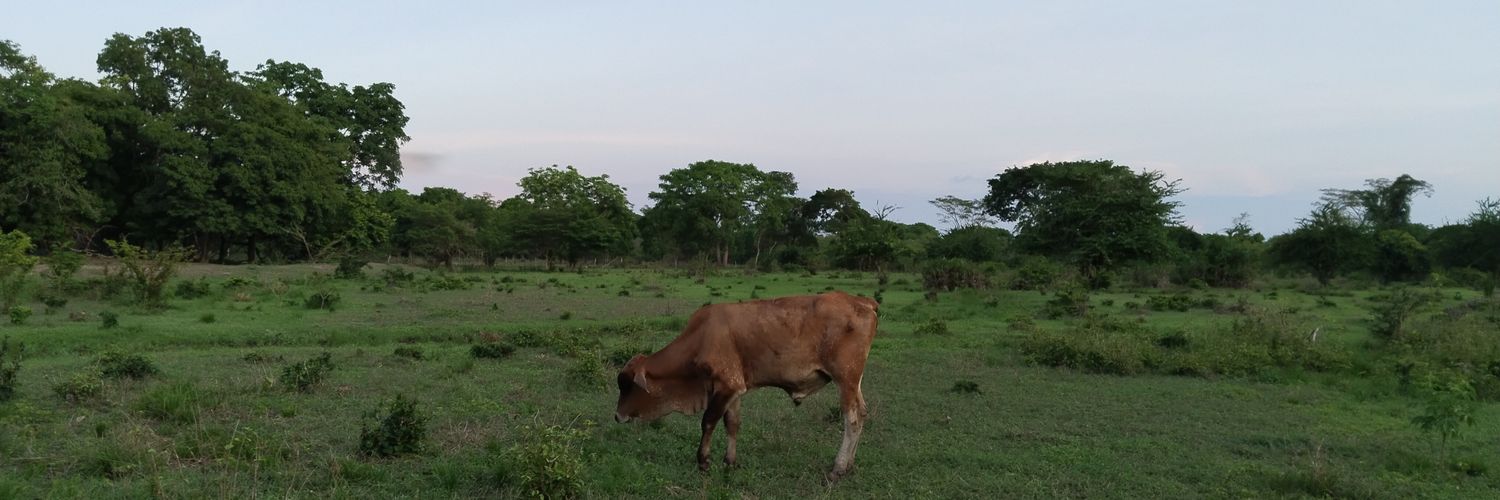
pixel 732 426
pixel 711 415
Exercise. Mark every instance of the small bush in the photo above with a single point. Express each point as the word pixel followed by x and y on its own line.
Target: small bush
pixel 1069 303
pixel 566 315
pixel 10 366
pixel 933 326
pixel 395 276
pixel 350 268
pixel 396 429
pixel 1036 273
pixel 497 350
pixel 19 315
pixel 178 403
pixel 53 301
pixel 260 357
pixel 304 375
pixel 148 271
pixel 207 318
pixel 407 352
pixel 966 387
pixel 108 319
pixel 951 274
pixel 1389 315
pixel 115 364
pixel 588 371
pixel 322 299
pixel 82 386
pixel 1177 302
pixel 547 463
pixel 193 289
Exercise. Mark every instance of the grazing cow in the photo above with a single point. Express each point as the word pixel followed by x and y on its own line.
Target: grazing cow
pixel 798 344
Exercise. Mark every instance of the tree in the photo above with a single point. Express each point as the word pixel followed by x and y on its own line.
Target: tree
pixel 972 243
pixel 1095 214
pixel 15 266
pixel 701 208
pixel 1384 204
pixel 1327 243
pixel 960 213
pixel 564 214
pixel 1471 244
pixel 46 143
pixel 829 210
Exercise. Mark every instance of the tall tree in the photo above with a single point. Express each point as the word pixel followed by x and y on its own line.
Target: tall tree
pixel 571 216
pixel 1384 203
pixel 961 213
pixel 46 144
pixel 829 210
pixel 1096 214
pixel 1326 243
pixel 701 208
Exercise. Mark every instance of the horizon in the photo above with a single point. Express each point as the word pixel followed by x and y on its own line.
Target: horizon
pixel 1256 108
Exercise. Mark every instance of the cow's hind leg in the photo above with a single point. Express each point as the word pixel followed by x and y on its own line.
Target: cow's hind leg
pixel 732 427
pixel 852 403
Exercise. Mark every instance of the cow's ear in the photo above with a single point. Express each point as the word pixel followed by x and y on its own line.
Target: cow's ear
pixel 641 380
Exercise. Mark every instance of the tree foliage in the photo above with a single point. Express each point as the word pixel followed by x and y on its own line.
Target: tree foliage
pixel 1095 214
pixel 1326 243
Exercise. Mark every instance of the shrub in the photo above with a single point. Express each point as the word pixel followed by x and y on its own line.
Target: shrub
pixel 148 271
pixel 547 463
pixel 622 355
pixel 1390 313
pixel 108 319
pixel 193 289
pixel 966 387
pixel 15 266
pixel 350 268
pixel 115 364
pixel 1092 351
pixel 304 375
pixel 399 431
pixel 1036 273
pixel 407 352
pixel 1073 302
pixel 19 314
pixel 61 266
pixel 933 326
pixel 10 366
pixel 53 301
pixel 322 299
pixel 497 350
pixel 1450 406
pixel 588 371
pixel 566 315
pixel 177 403
pixel 207 318
pixel 1176 302
pixel 82 386
pixel 951 274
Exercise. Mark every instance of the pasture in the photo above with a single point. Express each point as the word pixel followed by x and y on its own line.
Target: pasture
pixel 1161 404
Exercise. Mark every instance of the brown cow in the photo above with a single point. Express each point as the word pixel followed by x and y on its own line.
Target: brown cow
pixel 798 344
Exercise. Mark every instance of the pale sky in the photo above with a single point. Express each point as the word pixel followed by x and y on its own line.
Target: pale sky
pixel 1254 105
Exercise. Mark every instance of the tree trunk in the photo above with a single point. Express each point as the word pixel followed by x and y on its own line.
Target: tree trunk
pixel 251 255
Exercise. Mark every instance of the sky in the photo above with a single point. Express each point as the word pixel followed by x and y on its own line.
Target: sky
pixel 1255 106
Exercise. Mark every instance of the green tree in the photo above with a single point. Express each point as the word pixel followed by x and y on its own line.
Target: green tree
pixel 1326 243
pixel 960 213
pixel 702 208
pixel 974 243
pixel 46 143
pixel 1384 203
pixel 15 266
pixel 829 210
pixel 562 214
pixel 1095 214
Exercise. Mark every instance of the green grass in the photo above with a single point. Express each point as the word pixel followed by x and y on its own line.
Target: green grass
pixel 215 422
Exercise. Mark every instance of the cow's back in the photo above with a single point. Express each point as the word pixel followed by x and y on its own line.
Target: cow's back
pixel 786 341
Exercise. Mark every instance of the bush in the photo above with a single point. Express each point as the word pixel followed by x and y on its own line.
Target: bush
pixel 933 326
pixel 395 276
pixel 547 463
pixel 53 301
pixel 19 314
pixel 61 266
pixel 1036 273
pixel 192 289
pixel 322 299
pixel 407 352
pixel 177 403
pixel 1390 313
pixel 109 319
pixel 1176 302
pixel 15 266
pixel 148 271
pixel 966 387
pixel 497 350
pixel 350 268
pixel 399 431
pixel 10 366
pixel 588 371
pixel 82 386
pixel 115 364
pixel 304 375
pixel 1070 303
pixel 951 274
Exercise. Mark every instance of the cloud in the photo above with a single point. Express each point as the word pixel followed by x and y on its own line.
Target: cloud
pixel 420 161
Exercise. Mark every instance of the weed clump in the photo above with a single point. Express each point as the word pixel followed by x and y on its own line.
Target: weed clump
pixel 588 371
pixel 82 386
pixel 177 403
pixel 349 268
pixel 408 353
pixel 193 289
pixel 396 429
pixel 497 350
pixel 304 375
pixel 19 314
pixel 118 365
pixel 965 387
pixel 547 463
pixel 933 326
pixel 322 299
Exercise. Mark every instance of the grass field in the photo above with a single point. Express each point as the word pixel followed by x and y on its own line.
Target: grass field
pixel 216 420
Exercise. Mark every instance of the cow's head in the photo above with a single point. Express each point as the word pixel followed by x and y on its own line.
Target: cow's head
pixel 640 397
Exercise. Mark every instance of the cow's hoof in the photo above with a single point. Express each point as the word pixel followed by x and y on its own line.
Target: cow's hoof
pixel 835 476
pixel 731 463
pixel 703 466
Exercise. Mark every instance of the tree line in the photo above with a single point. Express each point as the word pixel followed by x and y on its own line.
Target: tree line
pixel 172 149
